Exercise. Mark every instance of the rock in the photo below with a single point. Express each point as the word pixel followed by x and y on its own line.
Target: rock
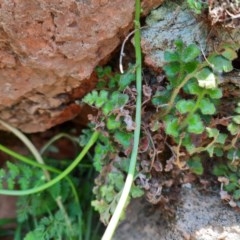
pixel 174 20
pixel 198 217
pixel 48 51
pixel 7 207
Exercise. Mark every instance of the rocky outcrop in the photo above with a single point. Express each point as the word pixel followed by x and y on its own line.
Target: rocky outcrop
pixel 48 51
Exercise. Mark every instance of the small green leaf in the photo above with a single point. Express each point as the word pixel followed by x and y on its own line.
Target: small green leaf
pixel 172 126
pixel 218 152
pixel 91 97
pixel 220 170
pixel 195 124
pixel 113 81
pixel 190 147
pixel 161 97
pixel 210 150
pixel 220 63
pixel 195 165
pixel 233 128
pixel 233 177
pixel 101 99
pixel 207 107
pixel 171 56
pixel 13 169
pixel 123 138
pixel 229 53
pixel 206 78
pixel 237 110
pixel 102 72
pixel 233 154
pixel 236 119
pixel 125 80
pixel 190 53
pixel 107 192
pixel 184 106
pixel 193 87
pixel 236 194
pixel 118 99
pixel 10 183
pixel 179 44
pixel 101 84
pixel 172 69
pixel 85 137
pixel 215 93
pixel 55 190
pixel 190 66
pixel 195 5
pixel 231 187
pixel 117 180
pixel 136 191
pixel 108 107
pixel 221 138
pixel 36 234
pixel 212 132
pixel 100 206
pixel 123 164
pixel 112 123
pixel 188 143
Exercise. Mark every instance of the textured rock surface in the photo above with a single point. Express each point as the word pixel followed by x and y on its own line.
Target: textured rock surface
pixel 173 20
pixel 48 51
pixel 198 217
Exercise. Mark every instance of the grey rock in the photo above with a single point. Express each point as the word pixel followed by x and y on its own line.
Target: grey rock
pixel 198 217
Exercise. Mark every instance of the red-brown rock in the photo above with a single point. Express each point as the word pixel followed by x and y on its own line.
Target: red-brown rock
pixel 48 51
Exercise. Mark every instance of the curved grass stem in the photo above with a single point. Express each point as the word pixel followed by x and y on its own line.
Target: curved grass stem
pixel 40 160
pixel 28 144
pixel 62 175
pixel 39 165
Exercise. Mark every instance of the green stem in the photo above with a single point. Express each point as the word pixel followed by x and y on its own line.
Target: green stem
pixel 177 90
pixel 36 164
pixel 57 137
pixel 63 210
pixel 35 153
pixel 130 177
pixel 27 143
pixel 196 106
pixel 62 175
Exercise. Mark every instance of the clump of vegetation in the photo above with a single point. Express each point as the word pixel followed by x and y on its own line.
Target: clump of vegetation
pixel 49 206
pixel 191 116
pixel 197 5
pixel 113 148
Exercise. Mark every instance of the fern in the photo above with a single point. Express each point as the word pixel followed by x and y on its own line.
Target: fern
pixel 51 228
pixel 196 5
pixel 20 175
pixel 43 215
